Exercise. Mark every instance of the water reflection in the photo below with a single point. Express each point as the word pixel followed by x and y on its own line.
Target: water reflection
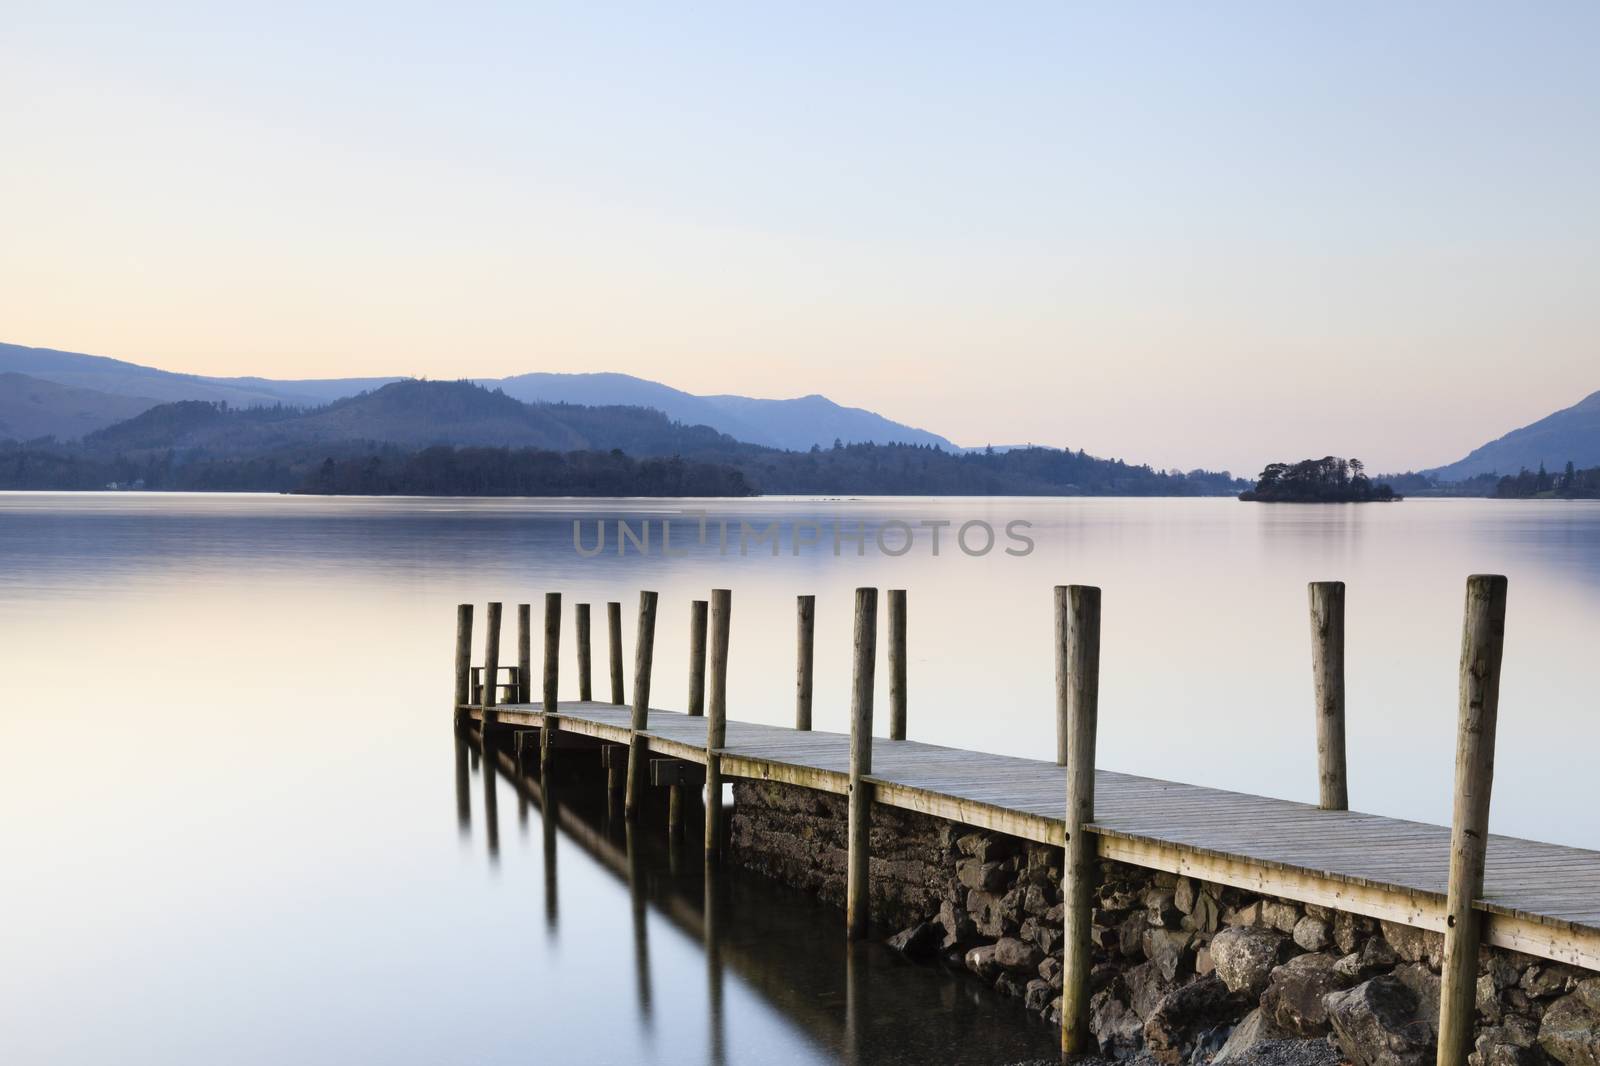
pixel 854 1003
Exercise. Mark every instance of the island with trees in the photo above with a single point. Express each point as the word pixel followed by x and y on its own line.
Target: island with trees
pixel 1326 480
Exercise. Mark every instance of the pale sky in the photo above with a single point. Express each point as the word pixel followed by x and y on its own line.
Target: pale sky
pixel 1176 233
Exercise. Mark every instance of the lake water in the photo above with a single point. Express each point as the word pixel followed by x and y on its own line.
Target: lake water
pixel 231 817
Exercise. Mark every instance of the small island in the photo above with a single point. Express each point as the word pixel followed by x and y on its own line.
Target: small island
pixel 1326 480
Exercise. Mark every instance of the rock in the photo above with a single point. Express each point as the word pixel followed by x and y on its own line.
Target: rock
pixel 988 914
pixel 1116 1028
pixel 1245 956
pixel 1119 896
pixel 1280 914
pixel 1570 1030
pixel 1256 1029
pixel 1177 1019
pixel 1049 937
pixel 983 847
pixel 1312 934
pixel 1545 981
pixel 1159 909
pixel 920 941
pixel 986 876
pixel 1375 957
pixel 1413 944
pixel 1379 1023
pixel 1146 988
pixel 1038 900
pixel 1008 984
pixel 1243 916
pixel 1172 950
pixel 1018 956
pixel 1204 965
pixel 1184 893
pixel 1293 998
pixel 1324 914
pixel 959 930
pixel 1050 970
pixel 981 961
pixel 1038 994
pixel 1486 998
pixel 1349 931
pixel 1514 1044
pixel 1206 915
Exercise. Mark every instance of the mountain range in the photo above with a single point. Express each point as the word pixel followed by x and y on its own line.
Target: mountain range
pixel 104 388
pixel 1570 435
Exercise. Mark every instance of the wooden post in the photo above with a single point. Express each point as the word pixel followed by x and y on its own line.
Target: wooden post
pixel 1482 642
pixel 552 679
pixel 675 810
pixel 524 689
pixel 697 657
pixel 644 649
pixel 1061 612
pixel 860 826
pixel 463 659
pixel 897 664
pixel 1327 670
pixel 491 660
pixel 717 718
pixel 1083 703
pixel 614 631
pixel 580 618
pixel 806 631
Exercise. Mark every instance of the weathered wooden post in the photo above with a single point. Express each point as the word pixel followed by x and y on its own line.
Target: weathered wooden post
pixel 697 657
pixel 806 627
pixel 644 650
pixel 717 718
pixel 897 664
pixel 524 687
pixel 1482 642
pixel 614 632
pixel 463 659
pixel 491 661
pixel 1083 703
pixel 552 680
pixel 860 825
pixel 1062 609
pixel 580 618
pixel 1327 670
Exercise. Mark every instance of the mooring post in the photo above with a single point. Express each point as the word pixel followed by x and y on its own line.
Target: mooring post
pixel 580 619
pixel 1327 669
pixel 717 718
pixel 644 650
pixel 463 659
pixel 860 826
pixel 806 631
pixel 1082 669
pixel 1482 642
pixel 697 657
pixel 552 680
pixel 897 664
pixel 491 662
pixel 614 632
pixel 1062 609
pixel 675 810
pixel 524 687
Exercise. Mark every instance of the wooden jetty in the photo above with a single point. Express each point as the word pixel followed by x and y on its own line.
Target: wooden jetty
pixel 1540 899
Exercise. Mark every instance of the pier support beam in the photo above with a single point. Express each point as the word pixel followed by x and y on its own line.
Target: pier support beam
pixel 491 662
pixel 717 718
pixel 897 664
pixel 1327 670
pixel 552 680
pixel 806 633
pixel 644 651
pixel 697 658
pixel 463 659
pixel 1482 642
pixel 523 693
pixel 614 632
pixel 860 825
pixel 580 620
pixel 1082 685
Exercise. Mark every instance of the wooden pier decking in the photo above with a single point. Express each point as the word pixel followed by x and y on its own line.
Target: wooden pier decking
pixel 1541 899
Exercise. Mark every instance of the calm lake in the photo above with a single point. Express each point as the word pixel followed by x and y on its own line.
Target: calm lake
pixel 231 827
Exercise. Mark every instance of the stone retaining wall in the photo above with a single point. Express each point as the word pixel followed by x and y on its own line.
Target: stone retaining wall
pixel 1185 971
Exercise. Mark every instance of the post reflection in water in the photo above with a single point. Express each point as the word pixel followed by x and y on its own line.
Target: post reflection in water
pixel 491 807
pixel 463 785
pixel 834 1001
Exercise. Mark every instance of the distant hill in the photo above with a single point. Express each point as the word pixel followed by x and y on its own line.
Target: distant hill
pixel 1571 435
pixel 32 407
pixel 794 424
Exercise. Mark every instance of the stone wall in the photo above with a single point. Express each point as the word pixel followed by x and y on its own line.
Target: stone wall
pixel 1185 971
